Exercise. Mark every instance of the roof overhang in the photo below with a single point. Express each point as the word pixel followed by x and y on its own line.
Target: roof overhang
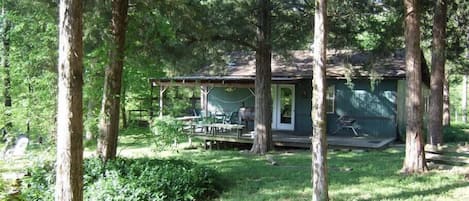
pixel 221 81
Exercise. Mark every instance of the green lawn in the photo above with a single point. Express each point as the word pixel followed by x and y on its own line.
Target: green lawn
pixel 352 176
pixel 370 175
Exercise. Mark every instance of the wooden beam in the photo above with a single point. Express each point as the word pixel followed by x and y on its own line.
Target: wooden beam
pixel 162 90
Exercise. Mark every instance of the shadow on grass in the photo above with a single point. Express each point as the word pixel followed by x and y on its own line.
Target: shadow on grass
pixel 362 176
pixel 419 193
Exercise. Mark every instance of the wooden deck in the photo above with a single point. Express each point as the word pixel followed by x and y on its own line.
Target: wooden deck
pixel 288 139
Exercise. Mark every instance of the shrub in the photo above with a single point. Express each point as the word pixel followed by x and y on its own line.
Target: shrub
pixel 2 189
pixel 456 133
pixel 166 131
pixel 132 179
pixel 39 185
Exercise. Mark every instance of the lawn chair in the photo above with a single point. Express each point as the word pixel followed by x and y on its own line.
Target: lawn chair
pixel 344 122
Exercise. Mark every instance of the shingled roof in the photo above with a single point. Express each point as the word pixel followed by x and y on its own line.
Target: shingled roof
pixel 340 64
pixel 295 65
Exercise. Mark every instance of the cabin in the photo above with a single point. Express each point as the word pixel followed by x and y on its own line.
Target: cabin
pixel 365 94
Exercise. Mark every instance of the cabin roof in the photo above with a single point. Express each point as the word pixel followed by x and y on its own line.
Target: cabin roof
pixel 240 67
pixel 340 63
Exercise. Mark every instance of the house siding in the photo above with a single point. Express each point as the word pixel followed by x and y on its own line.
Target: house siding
pixel 373 108
pixel 226 100
pixel 303 123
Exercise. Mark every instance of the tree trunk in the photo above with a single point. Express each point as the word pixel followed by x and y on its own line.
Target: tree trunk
pixel 464 99
pixel 124 115
pixel 109 117
pixel 318 113
pixel 414 161
pixel 6 69
pixel 446 103
pixel 69 169
pixel 435 123
pixel 89 115
pixel 263 102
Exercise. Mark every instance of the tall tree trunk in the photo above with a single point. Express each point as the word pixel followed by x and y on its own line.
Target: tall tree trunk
pixel 464 99
pixel 109 119
pixel 124 116
pixel 263 116
pixel 69 169
pixel 89 115
pixel 414 161
pixel 6 68
pixel 446 103
pixel 435 124
pixel 318 113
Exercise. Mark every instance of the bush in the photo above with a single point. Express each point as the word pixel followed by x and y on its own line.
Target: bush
pixel 131 179
pixel 2 189
pixel 166 131
pixel 456 133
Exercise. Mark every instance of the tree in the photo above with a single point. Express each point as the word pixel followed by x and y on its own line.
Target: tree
pixel 318 113
pixel 435 123
pixel 69 170
pixel 109 120
pixel 414 161
pixel 446 102
pixel 464 98
pixel 263 102
pixel 6 66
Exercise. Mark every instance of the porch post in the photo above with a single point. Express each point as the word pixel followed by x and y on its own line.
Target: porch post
pixel 151 100
pixel 162 89
pixel 204 91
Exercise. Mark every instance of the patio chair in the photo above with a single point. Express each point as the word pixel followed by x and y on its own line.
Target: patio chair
pixel 344 122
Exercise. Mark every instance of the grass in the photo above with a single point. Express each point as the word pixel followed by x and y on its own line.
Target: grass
pixel 364 176
pixel 352 176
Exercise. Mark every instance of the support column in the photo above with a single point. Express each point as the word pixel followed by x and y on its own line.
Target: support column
pixel 162 90
pixel 151 101
pixel 204 92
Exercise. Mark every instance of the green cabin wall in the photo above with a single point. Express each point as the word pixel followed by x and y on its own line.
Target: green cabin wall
pixel 303 123
pixel 373 108
pixel 377 112
pixel 226 100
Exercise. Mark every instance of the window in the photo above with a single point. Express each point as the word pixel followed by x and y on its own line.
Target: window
pixel 330 99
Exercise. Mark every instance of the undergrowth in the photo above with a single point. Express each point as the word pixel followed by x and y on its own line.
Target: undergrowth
pixel 130 179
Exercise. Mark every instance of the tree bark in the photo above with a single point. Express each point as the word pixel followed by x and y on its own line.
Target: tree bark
pixel 89 115
pixel 69 169
pixel 446 102
pixel 435 123
pixel 318 113
pixel 109 117
pixel 6 68
pixel 263 102
pixel 414 161
pixel 124 114
pixel 464 99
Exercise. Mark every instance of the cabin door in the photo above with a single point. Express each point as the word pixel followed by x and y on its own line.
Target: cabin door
pixel 283 107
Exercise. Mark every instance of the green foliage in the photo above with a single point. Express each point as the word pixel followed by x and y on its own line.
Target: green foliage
pixel 2 189
pixel 366 25
pixel 32 58
pixel 456 133
pixel 39 185
pixel 130 179
pixel 166 131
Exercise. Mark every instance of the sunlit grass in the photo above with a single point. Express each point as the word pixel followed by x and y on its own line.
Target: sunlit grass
pixel 362 176
pixel 367 176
